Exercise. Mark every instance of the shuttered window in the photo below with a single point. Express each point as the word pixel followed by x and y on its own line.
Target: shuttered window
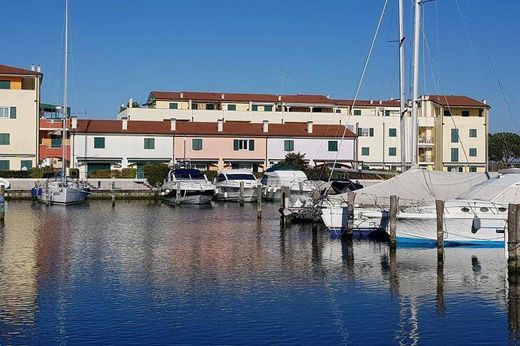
pixel 5 84
pixel 26 164
pixel 55 142
pixel 99 142
pixel 231 107
pixel 392 132
pixel 5 138
pixel 365 151
pixel 454 135
pixel 333 145
pixel 254 108
pixel 268 108
pixel 288 145
pixel 473 133
pixel 174 105
pixel 392 151
pixel 149 143
pixel 4 165
pixel 196 144
pixel 12 112
pixel 472 152
pixel 454 154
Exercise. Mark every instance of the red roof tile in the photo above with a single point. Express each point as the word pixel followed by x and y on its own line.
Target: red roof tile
pixel 367 103
pixel 236 128
pixel 456 101
pixel 4 69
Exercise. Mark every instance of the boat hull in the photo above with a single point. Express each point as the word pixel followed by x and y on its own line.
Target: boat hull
pixel 190 197
pixel 63 195
pixel 232 194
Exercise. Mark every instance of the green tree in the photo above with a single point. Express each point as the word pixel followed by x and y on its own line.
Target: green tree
pixel 155 173
pixel 503 146
pixel 296 160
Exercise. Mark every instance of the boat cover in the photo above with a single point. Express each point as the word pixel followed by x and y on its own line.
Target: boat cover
pixel 501 189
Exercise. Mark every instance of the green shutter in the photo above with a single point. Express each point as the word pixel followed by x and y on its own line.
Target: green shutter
pixel 196 144
pixel 235 144
pixel 357 111
pixel 12 113
pixel 371 133
pixel 251 145
pixel 472 152
pixel 99 142
pixel 365 151
pixel 268 108
pixel 333 145
pixel 288 145
pixel 454 135
pixel 392 132
pixel 359 131
pixel 472 168
pixel 27 164
pixel 174 105
pixel 5 139
pixel 5 84
pixel 149 143
pixel 392 151
pixel 4 165
pixel 55 142
pixel 232 107
pixel 454 154
pixel 254 108
pixel 473 133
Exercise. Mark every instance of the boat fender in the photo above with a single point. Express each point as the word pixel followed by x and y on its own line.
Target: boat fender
pixel 475 226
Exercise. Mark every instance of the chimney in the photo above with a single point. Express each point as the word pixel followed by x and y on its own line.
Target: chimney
pixel 222 96
pixel 280 98
pixel 484 101
pixel 73 122
pixel 32 67
pixel 380 102
pixel 124 123
pixel 220 125
pixel 130 102
pixel 38 68
pixel 265 128
pixel 182 95
pixel 371 102
pixel 173 124
pixel 309 126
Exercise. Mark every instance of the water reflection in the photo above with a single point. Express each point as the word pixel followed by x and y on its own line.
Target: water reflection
pixel 144 272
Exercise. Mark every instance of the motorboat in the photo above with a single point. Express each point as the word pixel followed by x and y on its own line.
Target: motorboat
pixel 274 181
pixel 187 186
pixel 228 183
pixel 5 183
pixel 61 190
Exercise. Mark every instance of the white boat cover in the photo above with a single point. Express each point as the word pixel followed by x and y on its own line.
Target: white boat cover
pixel 501 189
pixel 416 186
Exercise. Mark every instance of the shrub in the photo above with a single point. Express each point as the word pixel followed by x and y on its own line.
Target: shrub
pixel 156 173
pixel 128 173
pixel 210 175
pixel 101 174
pixel 74 173
pixel 14 174
pixel 35 173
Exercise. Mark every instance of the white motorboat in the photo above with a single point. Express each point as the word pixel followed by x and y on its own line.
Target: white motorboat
pixel 5 183
pixel 187 186
pixel 295 180
pixel 228 185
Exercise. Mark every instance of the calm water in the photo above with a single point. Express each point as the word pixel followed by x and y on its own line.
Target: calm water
pixel 146 273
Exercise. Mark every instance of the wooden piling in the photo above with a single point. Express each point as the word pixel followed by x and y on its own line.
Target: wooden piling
pixel 392 219
pixel 2 202
pixel 113 191
pixel 351 197
pixel 241 197
pixel 284 208
pixel 300 187
pixel 259 202
pixel 439 206
pixel 178 193
pixel 513 243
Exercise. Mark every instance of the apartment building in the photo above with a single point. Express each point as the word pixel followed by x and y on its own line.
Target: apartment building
pixel 19 113
pixel 106 144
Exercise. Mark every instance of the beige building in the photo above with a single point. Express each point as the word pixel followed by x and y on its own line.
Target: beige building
pixel 19 113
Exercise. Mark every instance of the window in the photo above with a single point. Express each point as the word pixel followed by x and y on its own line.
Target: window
pixel 472 152
pixel 8 112
pixel 392 151
pixel 26 164
pixel 99 142
pixel 333 145
pixel 357 111
pixel 174 105
pixel 5 84
pixel 365 132
pixel 387 113
pixel 55 142
pixel 12 112
pixel 5 139
pixel 288 145
pixel 268 108
pixel 338 110
pixel 244 144
pixel 447 113
pixel 231 107
pixel 4 165
pixel 472 168
pixel 473 133
pixel 454 135
pixel 196 144
pixel 210 106
pixel 254 108
pixel 365 151
pixel 454 154
pixel 465 113
pixel 149 143
pixel 392 132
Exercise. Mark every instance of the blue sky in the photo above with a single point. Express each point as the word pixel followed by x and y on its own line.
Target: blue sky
pixel 122 49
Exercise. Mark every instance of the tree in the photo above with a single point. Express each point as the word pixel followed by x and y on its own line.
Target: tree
pixel 296 160
pixel 155 173
pixel 503 146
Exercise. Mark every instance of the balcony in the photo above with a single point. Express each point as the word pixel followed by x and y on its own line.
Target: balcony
pixel 426 142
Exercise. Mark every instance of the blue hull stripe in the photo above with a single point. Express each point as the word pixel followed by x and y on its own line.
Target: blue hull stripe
pixel 423 242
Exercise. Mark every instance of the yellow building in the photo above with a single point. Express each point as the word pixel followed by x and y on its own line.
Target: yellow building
pixel 19 113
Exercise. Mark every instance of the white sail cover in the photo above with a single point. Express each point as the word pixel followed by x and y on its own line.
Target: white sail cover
pixel 502 189
pixel 417 186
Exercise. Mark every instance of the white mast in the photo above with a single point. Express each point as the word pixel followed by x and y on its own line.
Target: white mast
pixel 415 85
pixel 402 87
pixel 65 73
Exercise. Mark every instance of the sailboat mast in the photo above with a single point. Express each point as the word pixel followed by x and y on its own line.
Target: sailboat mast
pixel 402 87
pixel 415 78
pixel 65 75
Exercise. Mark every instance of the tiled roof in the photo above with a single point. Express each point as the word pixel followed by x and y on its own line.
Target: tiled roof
pixel 236 128
pixel 367 103
pixel 454 101
pixel 4 69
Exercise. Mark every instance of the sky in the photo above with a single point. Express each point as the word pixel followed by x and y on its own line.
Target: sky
pixel 121 49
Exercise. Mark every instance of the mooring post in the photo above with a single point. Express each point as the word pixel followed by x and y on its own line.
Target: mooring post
pixel 47 194
pixel 392 215
pixel 2 202
pixel 241 200
pixel 259 202
pixel 513 239
pixel 439 206
pixel 351 197
pixel 113 190
pixel 300 187
pixel 178 193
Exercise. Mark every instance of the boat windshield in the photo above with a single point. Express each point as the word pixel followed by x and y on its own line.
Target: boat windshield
pixel 189 175
pixel 240 176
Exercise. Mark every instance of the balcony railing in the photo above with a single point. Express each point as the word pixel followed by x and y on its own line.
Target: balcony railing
pixel 426 140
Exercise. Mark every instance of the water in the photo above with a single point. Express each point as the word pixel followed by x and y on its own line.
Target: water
pixel 146 273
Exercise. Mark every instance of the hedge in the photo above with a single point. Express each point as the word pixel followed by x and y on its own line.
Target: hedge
pixel 156 173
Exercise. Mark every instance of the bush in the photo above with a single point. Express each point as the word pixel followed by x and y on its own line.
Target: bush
pixel 128 173
pixel 156 173
pixel 74 173
pixel 14 174
pixel 211 175
pixel 35 173
pixel 101 174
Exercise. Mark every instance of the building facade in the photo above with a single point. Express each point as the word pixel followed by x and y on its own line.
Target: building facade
pixel 19 113
pixel 108 144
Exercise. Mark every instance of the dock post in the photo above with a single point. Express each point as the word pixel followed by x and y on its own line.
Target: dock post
pixel 286 195
pixel 439 206
pixel 2 202
pixel 113 191
pixel 47 197
pixel 178 193
pixel 259 202
pixel 351 197
pixel 513 239
pixel 300 187
pixel 241 200
pixel 392 215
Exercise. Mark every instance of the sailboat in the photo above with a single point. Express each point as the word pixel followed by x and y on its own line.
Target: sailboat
pixel 62 189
